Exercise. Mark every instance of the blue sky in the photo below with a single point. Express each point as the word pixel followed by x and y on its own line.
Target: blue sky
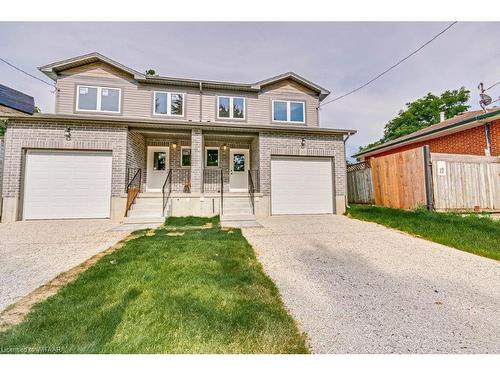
pixel 336 55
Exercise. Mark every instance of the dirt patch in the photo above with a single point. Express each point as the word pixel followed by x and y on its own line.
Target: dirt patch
pixel 15 313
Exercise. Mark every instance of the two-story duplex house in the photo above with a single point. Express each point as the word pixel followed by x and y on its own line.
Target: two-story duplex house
pixel 137 147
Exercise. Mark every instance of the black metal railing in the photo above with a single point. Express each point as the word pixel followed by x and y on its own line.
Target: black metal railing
pixel 181 180
pixel 251 191
pixel 166 191
pixel 221 192
pixel 212 182
pixel 133 186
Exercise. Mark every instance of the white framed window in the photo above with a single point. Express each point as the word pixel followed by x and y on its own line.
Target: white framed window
pixel 98 99
pixel 185 156
pixel 288 111
pixel 231 107
pixel 212 157
pixel 168 103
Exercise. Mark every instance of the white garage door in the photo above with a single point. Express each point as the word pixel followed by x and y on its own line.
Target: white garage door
pixel 301 185
pixel 67 185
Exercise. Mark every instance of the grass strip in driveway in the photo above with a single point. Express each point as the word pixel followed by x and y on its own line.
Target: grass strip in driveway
pixel 200 291
pixel 471 233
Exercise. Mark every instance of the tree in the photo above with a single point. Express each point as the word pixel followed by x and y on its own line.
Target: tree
pixel 424 112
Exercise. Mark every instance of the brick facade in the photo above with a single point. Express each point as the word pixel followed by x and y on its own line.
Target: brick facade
pixel 468 142
pixel 22 135
pixel 272 143
pixel 495 138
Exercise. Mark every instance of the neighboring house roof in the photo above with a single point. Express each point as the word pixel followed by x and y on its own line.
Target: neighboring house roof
pixel 52 70
pixel 462 121
pixel 16 100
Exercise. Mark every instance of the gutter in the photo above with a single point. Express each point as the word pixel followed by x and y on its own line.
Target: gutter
pixel 463 122
pixel 164 124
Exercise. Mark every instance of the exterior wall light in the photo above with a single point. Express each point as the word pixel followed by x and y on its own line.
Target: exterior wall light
pixel 303 142
pixel 174 145
pixel 224 147
pixel 67 134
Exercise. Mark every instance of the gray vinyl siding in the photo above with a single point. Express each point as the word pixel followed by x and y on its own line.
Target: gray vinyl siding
pixel 137 99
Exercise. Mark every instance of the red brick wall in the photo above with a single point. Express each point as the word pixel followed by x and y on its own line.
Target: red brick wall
pixel 495 138
pixel 469 142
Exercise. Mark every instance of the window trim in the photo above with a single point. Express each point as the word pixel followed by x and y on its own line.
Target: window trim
pixel 190 153
pixel 98 102
pixel 288 111
pixel 169 103
pixel 231 108
pixel 218 157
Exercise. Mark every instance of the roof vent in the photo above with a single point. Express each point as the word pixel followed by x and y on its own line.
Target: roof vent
pixel 441 116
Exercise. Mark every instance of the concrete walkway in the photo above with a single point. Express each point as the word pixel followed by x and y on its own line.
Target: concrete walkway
pixel 34 252
pixel 358 287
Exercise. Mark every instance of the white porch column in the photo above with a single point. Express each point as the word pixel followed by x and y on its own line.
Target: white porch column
pixel 196 161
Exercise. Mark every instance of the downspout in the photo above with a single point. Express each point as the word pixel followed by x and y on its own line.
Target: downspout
pixel 345 140
pixel 487 135
pixel 201 99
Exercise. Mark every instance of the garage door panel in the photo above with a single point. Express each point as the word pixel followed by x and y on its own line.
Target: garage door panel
pixel 67 185
pixel 301 185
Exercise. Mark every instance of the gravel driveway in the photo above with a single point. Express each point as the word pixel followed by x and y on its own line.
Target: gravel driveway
pixel 34 252
pixel 358 287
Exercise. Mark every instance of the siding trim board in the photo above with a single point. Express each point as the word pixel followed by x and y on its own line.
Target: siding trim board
pixel 174 125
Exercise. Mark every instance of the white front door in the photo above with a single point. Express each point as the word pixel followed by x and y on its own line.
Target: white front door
pixel 239 164
pixel 158 166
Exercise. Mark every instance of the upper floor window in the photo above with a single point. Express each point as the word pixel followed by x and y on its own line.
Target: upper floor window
pixel 230 107
pixel 288 111
pixel 168 103
pixel 98 99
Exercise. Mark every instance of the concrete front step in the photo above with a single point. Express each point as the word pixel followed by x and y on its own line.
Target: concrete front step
pixel 237 212
pixel 145 212
pixel 144 220
pixel 240 224
pixel 237 217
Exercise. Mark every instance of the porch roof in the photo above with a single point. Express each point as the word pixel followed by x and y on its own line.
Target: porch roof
pixel 149 123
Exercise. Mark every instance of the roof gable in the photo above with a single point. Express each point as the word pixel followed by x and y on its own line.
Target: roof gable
pixel 52 70
pixel 322 92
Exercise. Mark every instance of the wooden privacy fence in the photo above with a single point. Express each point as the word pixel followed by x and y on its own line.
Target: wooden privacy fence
pixel 359 183
pixel 399 179
pixel 466 182
pixel 414 178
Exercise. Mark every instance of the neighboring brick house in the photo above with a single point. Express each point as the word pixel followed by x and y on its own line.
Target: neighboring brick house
pixel 192 147
pixel 469 133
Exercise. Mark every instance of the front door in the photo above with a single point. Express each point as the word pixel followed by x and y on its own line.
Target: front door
pixel 157 169
pixel 239 164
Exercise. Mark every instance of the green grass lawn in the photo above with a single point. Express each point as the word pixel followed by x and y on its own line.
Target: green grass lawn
pixel 471 233
pixel 200 292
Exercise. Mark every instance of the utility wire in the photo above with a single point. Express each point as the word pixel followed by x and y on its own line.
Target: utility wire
pixel 492 86
pixel 28 74
pixel 392 67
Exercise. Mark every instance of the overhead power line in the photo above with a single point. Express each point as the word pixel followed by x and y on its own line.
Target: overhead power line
pixel 391 67
pixel 25 72
pixel 492 86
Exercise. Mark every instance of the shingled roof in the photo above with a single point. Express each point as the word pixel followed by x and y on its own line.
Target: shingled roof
pixel 465 119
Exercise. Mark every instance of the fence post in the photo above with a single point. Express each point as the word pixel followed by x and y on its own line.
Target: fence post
pixel 428 178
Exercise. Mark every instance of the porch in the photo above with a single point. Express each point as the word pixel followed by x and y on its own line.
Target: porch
pixel 190 172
